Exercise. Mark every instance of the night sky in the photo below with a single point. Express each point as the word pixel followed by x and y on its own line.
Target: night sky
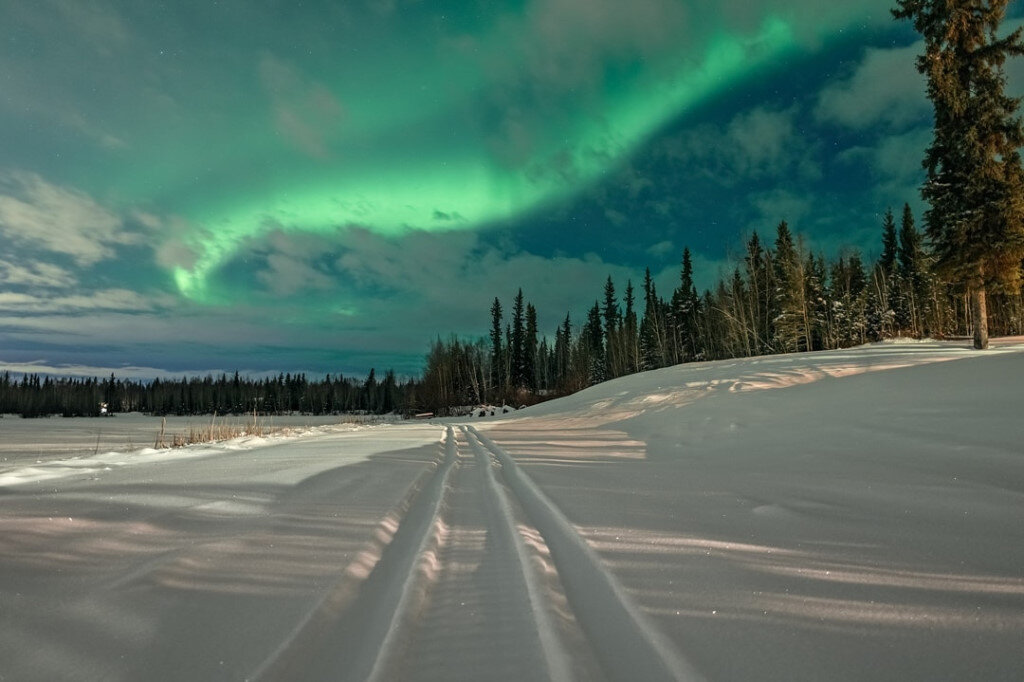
pixel 326 186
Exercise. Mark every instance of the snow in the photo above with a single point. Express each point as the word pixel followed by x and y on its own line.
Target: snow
pixel 45 439
pixel 848 515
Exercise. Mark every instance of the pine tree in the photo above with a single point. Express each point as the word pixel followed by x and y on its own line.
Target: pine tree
pixel 592 337
pixel 497 351
pixel 975 183
pixel 685 310
pixel 631 332
pixel 817 303
pixel 758 265
pixel 885 299
pixel 517 347
pixel 791 319
pixel 544 367
pixel 652 344
pixel 563 354
pixel 530 349
pixel 912 269
pixel 739 315
pixel 612 322
pixel 887 261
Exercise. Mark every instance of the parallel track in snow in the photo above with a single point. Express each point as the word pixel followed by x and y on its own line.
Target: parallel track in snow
pixel 627 644
pixel 482 577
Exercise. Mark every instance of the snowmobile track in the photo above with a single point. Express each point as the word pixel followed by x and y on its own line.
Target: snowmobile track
pixel 628 645
pixel 456 588
pixel 346 635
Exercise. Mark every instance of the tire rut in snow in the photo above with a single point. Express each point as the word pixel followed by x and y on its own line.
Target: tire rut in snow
pixel 347 636
pixel 482 615
pixel 626 642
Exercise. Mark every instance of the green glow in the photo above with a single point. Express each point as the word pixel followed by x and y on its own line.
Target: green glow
pixel 418 183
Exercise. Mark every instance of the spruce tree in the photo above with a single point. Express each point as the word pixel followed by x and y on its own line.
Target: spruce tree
pixel 884 275
pixel 530 349
pixel 631 332
pixel 975 183
pixel 592 333
pixel 912 268
pixel 517 345
pixel 685 309
pixel 887 261
pixel 497 351
pixel 651 327
pixel 563 354
pixel 758 265
pixel 791 323
pixel 612 322
pixel 817 304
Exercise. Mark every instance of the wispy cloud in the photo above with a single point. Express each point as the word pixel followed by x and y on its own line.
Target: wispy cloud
pixel 36 275
pixel 761 143
pixel 120 300
pixel 60 220
pixel 45 367
pixel 306 112
pixel 884 89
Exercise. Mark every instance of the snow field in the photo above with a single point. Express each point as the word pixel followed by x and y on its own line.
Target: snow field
pixel 842 516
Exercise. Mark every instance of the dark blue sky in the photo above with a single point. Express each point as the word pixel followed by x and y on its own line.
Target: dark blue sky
pixel 325 186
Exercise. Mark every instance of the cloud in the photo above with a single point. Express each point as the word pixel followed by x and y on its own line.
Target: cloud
pixel 39 83
pixel 36 275
pixel 120 300
pixel 571 39
pixel 306 112
pixel 286 275
pixel 777 205
pixel 661 249
pixel 44 367
pixel 59 220
pixel 894 163
pixel 761 141
pixel 884 89
pixel 758 144
pixel 454 277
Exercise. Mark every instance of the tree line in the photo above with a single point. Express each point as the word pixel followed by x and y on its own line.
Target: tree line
pixel 778 298
pixel 33 396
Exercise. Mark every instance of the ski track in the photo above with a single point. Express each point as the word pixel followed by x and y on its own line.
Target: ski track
pixel 627 644
pixel 466 584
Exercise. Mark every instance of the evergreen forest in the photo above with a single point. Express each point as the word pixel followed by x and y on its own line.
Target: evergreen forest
pixel 779 298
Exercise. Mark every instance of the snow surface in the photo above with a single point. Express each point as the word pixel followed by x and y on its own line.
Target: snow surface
pixel 48 438
pixel 847 515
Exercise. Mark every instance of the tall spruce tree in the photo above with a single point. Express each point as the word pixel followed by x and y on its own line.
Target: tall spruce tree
pixel 517 344
pixel 631 332
pixel 612 322
pixel 759 271
pixel 685 309
pixel 563 354
pixel 530 349
pixel 497 351
pixel 975 184
pixel 912 267
pixel 651 327
pixel 592 338
pixel 887 261
pixel 791 319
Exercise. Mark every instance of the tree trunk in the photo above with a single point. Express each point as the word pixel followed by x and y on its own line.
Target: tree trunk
pixel 979 316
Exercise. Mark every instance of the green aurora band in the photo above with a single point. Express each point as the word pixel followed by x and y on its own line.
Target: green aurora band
pixel 460 185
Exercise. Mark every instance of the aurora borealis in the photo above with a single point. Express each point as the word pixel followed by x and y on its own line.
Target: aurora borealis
pixel 325 186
